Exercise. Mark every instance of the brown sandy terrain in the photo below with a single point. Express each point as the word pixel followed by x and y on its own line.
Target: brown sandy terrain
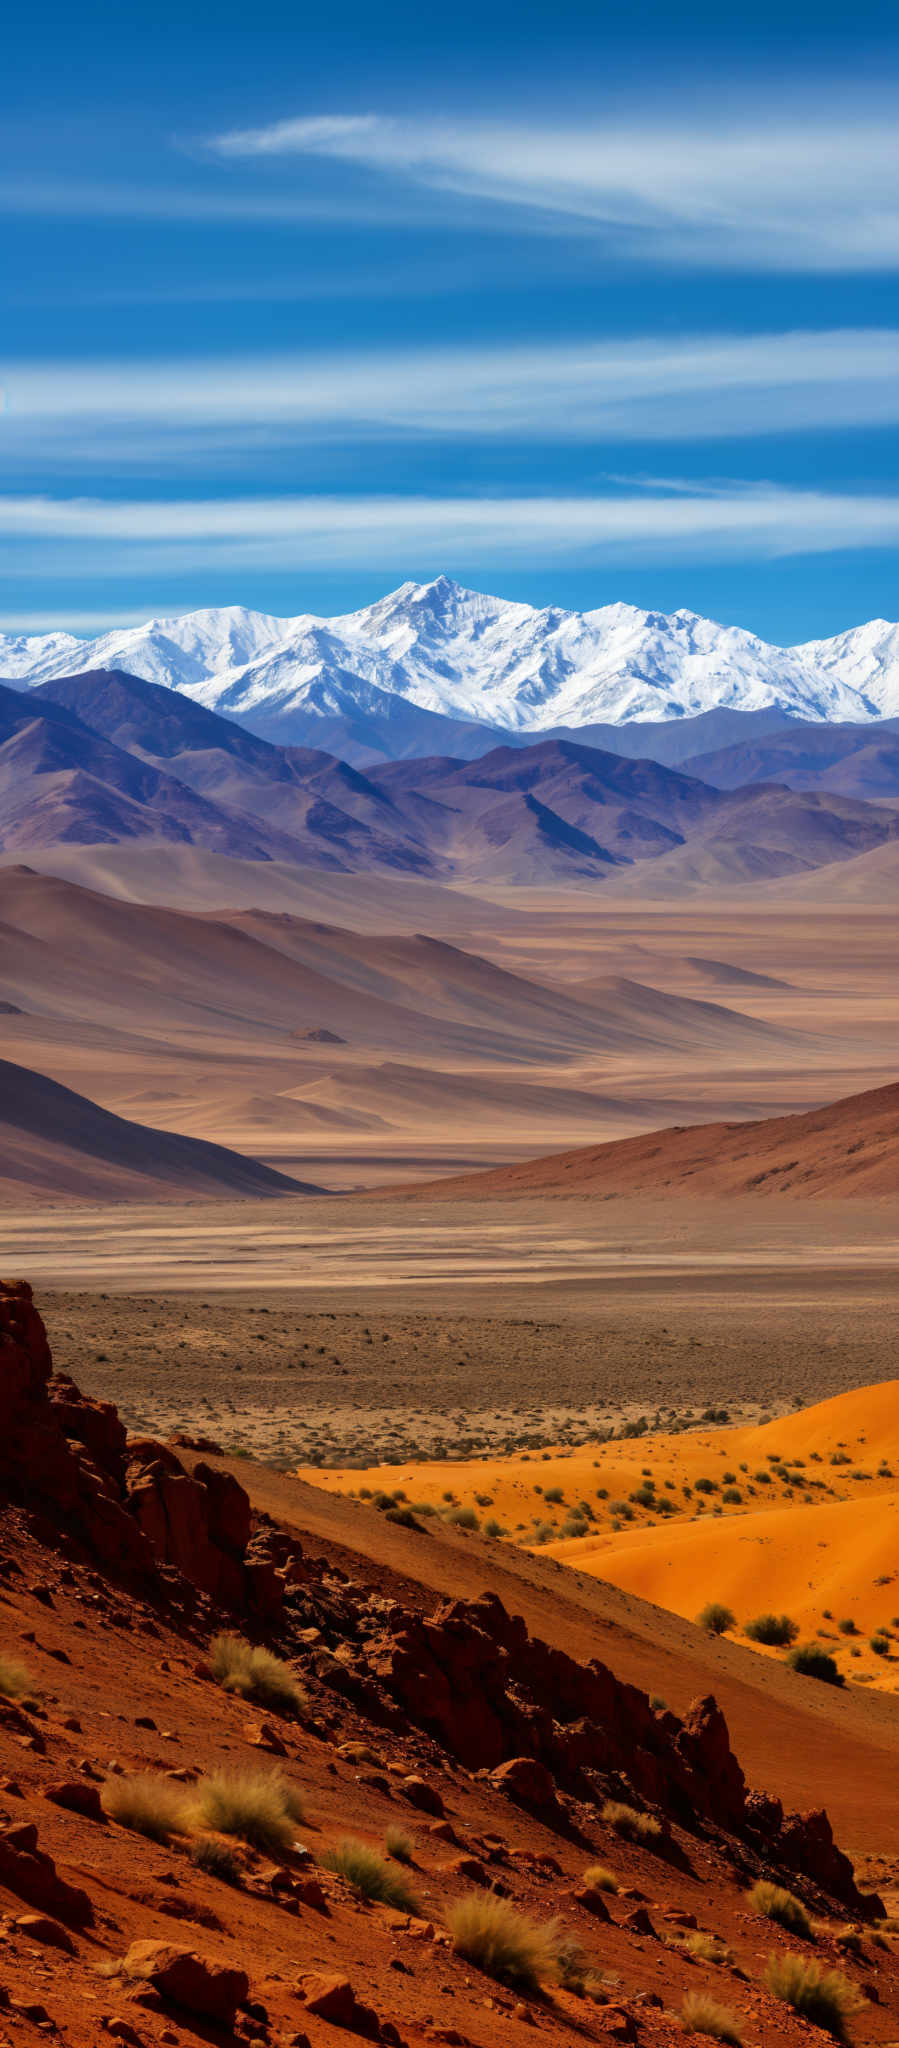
pixel 473 1033
pixel 323 1329
pixel 117 1656
pixel 849 1148
pixel 54 1142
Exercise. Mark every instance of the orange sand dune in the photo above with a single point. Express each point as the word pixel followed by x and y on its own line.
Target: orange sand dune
pixel 797 1515
pixel 820 1565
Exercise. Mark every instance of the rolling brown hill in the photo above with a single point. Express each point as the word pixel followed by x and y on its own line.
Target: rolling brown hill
pixel 846 760
pixel 109 756
pixel 849 1147
pixel 55 1142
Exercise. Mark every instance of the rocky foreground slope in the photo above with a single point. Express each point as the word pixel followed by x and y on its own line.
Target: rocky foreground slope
pixel 121 1559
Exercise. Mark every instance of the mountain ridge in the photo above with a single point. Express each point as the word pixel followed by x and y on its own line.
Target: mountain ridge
pixel 436 651
pixel 103 757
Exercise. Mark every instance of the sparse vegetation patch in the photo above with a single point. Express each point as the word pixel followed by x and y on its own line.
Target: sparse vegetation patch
pixel 371 1875
pixel 258 1807
pixel 496 1938
pixel 780 1905
pixel 825 1997
pixel 255 1674
pixel 148 1804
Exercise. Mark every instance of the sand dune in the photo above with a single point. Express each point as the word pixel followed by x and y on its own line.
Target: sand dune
pixel 812 1537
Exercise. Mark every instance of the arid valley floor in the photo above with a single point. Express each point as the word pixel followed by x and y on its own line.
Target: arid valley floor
pixel 485 1347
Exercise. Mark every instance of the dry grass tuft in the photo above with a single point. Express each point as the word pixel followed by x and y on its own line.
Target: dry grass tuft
pixel 259 1807
pixel 777 1904
pixel 599 1879
pixel 216 1858
pixel 703 2015
pixel 149 1805
pixel 493 1935
pixel 255 1674
pixel 825 1997
pixel 399 1845
pixel 706 1948
pixel 371 1875
pixel 632 1825
pixel 15 1678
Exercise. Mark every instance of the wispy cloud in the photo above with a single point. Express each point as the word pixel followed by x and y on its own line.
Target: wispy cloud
pixel 814 190
pixel 420 535
pixel 26 621
pixel 182 201
pixel 637 389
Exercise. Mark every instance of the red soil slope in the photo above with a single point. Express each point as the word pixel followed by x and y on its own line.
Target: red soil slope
pixel 850 1147
pixel 493 1749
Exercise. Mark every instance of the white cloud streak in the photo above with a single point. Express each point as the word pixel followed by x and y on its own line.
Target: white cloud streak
pixel 632 389
pixel 818 191
pixel 125 537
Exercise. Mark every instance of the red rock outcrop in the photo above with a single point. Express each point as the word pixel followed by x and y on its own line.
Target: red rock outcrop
pixel 131 1503
pixel 32 1875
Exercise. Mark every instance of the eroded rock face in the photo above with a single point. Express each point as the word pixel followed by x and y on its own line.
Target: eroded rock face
pixel 539 1721
pixel 131 1502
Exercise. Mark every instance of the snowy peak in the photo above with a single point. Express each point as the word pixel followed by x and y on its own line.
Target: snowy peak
pixel 439 649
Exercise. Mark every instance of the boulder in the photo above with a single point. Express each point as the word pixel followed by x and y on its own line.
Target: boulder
pixel 526 1782
pixel 421 1795
pixel 183 1978
pixel 332 1998
pixel 41 1927
pixel 32 1875
pixel 78 1797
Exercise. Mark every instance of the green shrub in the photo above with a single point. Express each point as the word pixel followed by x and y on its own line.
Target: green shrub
pixel 631 1824
pixel 815 1663
pixel 880 1645
pixel 216 1858
pixel 150 1805
pixel 255 1674
pixel 732 1496
pixel 777 1629
pixel 701 2014
pixel 495 1937
pixel 825 1997
pixel 258 1807
pixel 780 1905
pixel 399 1845
pixel 717 1618
pixel 463 1518
pixel 371 1875
pixel 554 1494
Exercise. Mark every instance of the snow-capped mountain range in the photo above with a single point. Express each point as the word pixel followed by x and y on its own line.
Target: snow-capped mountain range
pixel 437 651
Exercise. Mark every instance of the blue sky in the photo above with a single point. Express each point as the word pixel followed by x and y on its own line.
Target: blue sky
pixel 576 304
